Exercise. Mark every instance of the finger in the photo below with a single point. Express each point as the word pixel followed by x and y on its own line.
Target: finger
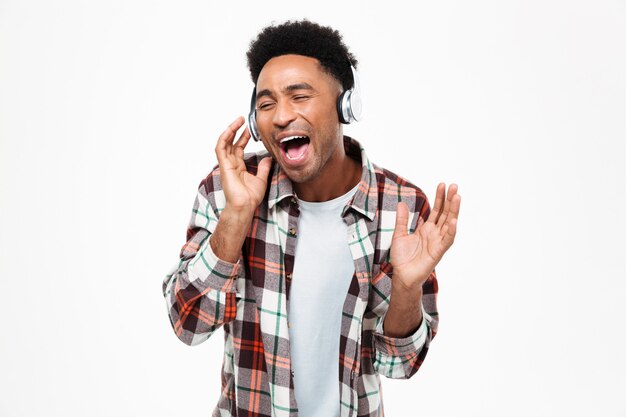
pixel 455 207
pixel 446 207
pixel 402 221
pixel 223 146
pixel 228 135
pixel 243 139
pixel 449 232
pixel 264 168
pixel 452 215
pixel 439 198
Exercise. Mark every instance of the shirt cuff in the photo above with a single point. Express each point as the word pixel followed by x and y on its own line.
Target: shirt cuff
pixel 401 346
pixel 206 270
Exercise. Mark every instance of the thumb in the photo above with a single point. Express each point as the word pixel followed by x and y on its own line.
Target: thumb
pixel 264 168
pixel 402 221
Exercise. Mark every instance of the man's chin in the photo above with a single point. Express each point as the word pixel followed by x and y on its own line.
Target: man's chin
pixel 299 176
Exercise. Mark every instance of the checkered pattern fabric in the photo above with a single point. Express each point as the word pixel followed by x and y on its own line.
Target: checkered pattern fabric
pixel 249 298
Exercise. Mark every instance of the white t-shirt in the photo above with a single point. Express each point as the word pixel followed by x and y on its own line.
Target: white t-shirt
pixel 322 273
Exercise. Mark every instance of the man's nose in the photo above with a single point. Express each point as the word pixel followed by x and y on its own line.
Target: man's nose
pixel 284 113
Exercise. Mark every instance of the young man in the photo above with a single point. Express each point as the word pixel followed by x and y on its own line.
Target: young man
pixel 318 264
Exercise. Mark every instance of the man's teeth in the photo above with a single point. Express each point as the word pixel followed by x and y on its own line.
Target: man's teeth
pixel 287 139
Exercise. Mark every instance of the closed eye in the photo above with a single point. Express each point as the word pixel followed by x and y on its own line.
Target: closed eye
pixel 267 105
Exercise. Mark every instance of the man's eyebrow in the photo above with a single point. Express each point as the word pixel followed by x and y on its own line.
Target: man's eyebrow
pixel 299 86
pixel 288 89
pixel 263 93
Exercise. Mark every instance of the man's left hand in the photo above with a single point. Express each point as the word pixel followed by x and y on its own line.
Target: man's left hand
pixel 414 256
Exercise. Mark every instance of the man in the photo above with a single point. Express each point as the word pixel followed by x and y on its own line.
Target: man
pixel 306 254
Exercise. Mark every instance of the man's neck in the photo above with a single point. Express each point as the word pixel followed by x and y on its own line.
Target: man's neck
pixel 339 176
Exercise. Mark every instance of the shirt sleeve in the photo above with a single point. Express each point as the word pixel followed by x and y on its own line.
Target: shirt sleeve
pixel 200 291
pixel 402 357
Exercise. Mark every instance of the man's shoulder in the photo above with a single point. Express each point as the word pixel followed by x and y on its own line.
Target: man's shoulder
pixel 393 188
pixel 386 179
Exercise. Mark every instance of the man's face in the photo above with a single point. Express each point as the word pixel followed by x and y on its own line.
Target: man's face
pixel 297 115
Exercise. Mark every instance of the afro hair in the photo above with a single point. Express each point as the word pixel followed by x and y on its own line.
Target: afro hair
pixel 303 38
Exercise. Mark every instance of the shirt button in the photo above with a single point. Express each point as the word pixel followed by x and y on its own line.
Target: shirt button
pixel 288 276
pixel 294 200
pixel 292 231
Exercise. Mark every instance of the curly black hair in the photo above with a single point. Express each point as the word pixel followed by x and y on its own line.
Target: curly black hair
pixel 303 38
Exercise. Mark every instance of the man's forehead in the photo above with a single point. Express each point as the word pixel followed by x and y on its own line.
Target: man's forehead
pixel 283 70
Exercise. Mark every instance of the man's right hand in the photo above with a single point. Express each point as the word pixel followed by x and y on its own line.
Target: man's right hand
pixel 244 191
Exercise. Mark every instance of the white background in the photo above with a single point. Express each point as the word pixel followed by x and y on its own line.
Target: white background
pixel 109 112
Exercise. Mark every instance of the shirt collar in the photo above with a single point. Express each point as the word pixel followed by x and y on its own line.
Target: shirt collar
pixel 365 198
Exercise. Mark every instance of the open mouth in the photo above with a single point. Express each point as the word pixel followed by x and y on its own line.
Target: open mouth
pixel 294 147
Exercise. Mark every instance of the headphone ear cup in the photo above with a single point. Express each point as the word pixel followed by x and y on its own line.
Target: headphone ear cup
pixel 342 107
pixel 252 127
pixel 349 105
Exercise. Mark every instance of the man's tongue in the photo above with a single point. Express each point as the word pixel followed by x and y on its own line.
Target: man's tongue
pixel 296 148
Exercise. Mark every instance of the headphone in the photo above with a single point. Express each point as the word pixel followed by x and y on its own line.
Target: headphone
pixel 349 107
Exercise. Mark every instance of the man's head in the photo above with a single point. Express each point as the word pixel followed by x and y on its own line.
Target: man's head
pixel 300 69
pixel 303 38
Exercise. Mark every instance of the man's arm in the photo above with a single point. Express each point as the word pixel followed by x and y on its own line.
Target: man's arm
pixel 201 291
pixel 414 256
pixel 402 337
pixel 400 355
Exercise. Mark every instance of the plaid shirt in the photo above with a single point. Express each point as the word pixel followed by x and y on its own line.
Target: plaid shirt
pixel 249 298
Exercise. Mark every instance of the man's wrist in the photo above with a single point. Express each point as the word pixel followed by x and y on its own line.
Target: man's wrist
pixel 409 281
pixel 237 217
pixel 404 314
pixel 230 234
